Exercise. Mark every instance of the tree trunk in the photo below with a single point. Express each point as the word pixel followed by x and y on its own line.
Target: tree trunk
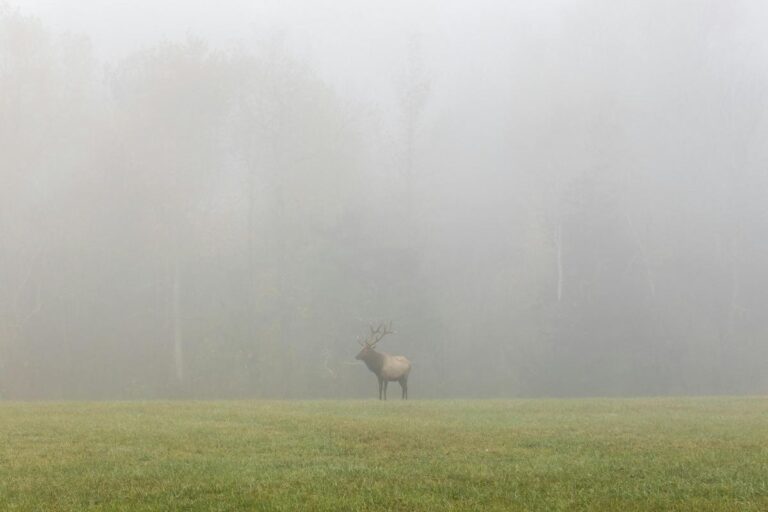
pixel 178 341
pixel 559 250
pixel 650 282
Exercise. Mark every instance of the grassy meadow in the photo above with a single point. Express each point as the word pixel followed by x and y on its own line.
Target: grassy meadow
pixel 701 454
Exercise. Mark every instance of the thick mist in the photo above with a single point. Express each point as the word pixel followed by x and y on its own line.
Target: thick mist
pixel 546 198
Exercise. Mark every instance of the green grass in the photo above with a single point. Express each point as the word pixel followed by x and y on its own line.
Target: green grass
pixel 638 454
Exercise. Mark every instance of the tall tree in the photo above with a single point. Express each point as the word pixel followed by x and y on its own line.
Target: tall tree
pixel 171 107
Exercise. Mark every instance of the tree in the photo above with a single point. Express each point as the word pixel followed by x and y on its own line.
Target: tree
pixel 171 106
pixel 298 153
pixel 47 108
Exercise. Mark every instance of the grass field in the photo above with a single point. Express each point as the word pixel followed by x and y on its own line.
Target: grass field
pixel 697 454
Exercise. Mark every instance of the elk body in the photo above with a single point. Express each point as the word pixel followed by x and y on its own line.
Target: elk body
pixel 388 368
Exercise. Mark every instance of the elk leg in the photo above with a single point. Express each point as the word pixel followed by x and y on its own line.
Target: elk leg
pixel 381 386
pixel 404 385
pixel 385 388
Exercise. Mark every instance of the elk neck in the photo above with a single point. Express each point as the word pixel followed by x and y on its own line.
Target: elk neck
pixel 374 361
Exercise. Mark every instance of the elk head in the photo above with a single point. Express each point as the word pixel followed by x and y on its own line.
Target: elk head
pixel 372 339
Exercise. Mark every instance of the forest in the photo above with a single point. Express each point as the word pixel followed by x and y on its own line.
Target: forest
pixel 571 205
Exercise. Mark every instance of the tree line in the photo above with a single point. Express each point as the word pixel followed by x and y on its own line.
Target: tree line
pixel 196 222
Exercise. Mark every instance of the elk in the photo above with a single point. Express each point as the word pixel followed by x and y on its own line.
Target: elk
pixel 386 367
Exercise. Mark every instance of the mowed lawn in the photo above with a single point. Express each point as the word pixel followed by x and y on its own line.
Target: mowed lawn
pixel 697 454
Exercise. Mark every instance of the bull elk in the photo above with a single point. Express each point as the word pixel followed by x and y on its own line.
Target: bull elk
pixel 387 367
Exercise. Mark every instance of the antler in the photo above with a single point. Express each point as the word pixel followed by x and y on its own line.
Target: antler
pixel 379 333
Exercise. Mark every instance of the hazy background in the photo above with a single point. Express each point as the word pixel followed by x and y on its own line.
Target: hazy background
pixel 214 199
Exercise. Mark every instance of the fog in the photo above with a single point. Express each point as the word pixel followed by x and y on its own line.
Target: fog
pixel 215 200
